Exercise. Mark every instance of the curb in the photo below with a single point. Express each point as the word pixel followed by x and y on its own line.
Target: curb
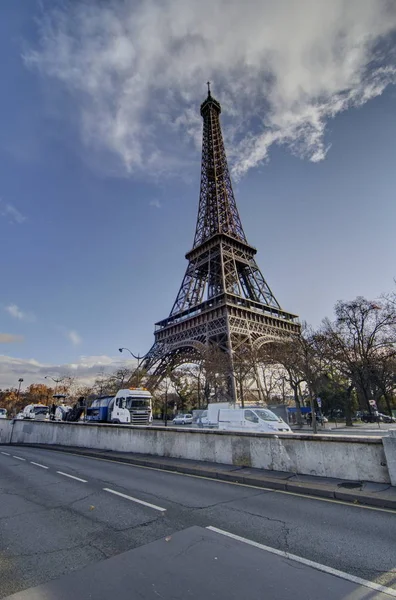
pixel 237 476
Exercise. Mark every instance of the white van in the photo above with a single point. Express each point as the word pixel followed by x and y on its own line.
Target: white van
pixel 38 412
pixel 260 420
pixel 3 413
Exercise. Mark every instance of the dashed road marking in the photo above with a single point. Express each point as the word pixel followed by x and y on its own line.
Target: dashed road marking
pixel 38 465
pixel 224 482
pixel 135 500
pixel 72 477
pixel 6 453
pixel 18 457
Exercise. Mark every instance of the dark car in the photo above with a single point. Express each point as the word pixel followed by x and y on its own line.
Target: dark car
pixel 387 418
pixel 367 417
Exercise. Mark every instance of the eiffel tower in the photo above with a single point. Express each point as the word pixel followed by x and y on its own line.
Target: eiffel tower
pixel 223 299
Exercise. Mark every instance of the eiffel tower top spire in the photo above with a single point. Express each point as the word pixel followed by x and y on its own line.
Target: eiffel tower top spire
pixel 217 212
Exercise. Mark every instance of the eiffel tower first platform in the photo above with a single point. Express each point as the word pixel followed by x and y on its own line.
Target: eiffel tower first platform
pixel 224 299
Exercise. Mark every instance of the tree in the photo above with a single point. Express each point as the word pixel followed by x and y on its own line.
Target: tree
pixel 10 401
pixel 245 365
pixel 383 376
pixel 302 363
pixel 216 368
pixel 38 393
pixel 359 343
pixel 285 353
pixel 274 383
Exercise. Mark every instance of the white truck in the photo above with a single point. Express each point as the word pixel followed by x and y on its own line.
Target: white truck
pixel 253 418
pixel 38 412
pixel 3 413
pixel 129 406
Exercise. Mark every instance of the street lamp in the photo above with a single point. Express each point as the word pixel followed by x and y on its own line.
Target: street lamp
pixel 138 358
pixel 56 381
pixel 19 387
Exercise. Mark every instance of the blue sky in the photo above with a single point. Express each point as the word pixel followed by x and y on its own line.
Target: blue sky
pixel 100 163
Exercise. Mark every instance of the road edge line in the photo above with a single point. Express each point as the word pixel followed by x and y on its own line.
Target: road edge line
pixel 309 563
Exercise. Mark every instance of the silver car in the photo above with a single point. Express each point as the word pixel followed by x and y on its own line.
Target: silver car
pixel 186 419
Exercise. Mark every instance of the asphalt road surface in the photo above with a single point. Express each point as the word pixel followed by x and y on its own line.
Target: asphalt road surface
pixel 64 514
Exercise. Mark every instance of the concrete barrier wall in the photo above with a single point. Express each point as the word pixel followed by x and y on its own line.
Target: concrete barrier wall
pixel 5 431
pixel 356 459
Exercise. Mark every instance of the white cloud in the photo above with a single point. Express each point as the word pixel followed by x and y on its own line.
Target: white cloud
pixel 74 337
pixel 281 70
pixel 85 369
pixel 11 213
pixel 17 313
pixel 156 203
pixel 10 338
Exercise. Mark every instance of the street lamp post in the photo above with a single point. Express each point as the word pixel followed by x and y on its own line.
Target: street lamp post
pixel 19 387
pixel 56 381
pixel 138 358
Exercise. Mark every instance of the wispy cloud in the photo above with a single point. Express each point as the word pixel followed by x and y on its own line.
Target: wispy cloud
pixel 17 313
pixel 281 70
pixel 85 369
pixel 11 213
pixel 156 203
pixel 74 337
pixel 10 338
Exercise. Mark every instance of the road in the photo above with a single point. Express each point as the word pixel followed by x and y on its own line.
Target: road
pixel 60 513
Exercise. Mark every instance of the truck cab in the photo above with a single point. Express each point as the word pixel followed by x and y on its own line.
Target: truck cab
pixel 134 405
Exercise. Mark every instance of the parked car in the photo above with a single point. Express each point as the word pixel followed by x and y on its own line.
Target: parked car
pixel 186 419
pixel 367 417
pixel 386 418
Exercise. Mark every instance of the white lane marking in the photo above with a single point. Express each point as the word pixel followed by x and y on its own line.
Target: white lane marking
pixel 224 482
pixel 6 454
pixel 18 457
pixel 309 563
pixel 72 477
pixel 135 500
pixel 38 465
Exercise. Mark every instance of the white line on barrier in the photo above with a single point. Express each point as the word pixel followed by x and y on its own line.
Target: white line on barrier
pixel 72 477
pixel 135 500
pixel 309 563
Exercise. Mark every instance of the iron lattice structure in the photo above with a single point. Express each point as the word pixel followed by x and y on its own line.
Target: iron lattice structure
pixel 223 299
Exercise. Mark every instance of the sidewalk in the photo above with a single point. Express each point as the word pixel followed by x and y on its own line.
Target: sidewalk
pixel 355 429
pixel 372 494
